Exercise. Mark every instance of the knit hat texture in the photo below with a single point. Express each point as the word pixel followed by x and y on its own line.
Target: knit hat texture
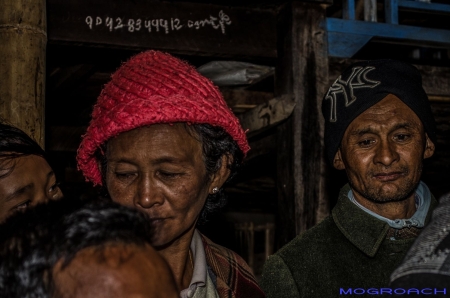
pixel 154 87
pixel 363 85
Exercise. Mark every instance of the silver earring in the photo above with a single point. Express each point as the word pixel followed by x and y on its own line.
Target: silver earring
pixel 215 190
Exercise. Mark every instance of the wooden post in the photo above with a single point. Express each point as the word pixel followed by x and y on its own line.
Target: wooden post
pixel 370 10
pixel 302 73
pixel 22 65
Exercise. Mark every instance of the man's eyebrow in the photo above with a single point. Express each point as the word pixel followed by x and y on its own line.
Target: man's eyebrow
pixel 406 125
pixel 18 192
pixel 362 131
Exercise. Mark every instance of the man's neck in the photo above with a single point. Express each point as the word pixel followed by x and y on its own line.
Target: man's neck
pixel 392 210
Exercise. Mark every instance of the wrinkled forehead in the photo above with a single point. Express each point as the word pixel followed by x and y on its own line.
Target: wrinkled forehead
pixel 157 141
pixel 390 112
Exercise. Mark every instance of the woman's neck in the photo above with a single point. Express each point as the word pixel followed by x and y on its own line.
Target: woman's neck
pixel 178 257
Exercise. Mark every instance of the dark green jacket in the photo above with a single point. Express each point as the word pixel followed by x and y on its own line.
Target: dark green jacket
pixel 348 249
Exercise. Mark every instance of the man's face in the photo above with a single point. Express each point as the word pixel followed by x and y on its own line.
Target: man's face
pixel 115 270
pixel 382 151
pixel 27 181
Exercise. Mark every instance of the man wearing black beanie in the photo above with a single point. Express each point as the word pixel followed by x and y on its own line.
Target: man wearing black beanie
pixel 378 128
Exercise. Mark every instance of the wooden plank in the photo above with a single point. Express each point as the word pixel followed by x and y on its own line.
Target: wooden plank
pixel 244 99
pixel 400 32
pixel 329 2
pixel 435 98
pixel 435 81
pixel 301 74
pixel 261 146
pixel 346 44
pixel 180 27
pixel 267 114
pixel 424 7
pixel 370 10
pixel 412 35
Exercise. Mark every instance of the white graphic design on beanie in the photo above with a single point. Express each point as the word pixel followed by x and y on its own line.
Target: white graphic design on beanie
pixel 356 80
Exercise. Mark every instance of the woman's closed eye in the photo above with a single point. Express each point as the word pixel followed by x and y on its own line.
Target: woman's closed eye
pixel 169 174
pixel 125 175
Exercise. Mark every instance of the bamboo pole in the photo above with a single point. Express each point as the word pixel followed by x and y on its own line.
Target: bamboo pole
pixel 23 40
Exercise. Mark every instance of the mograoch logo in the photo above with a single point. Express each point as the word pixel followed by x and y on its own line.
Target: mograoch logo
pixel 358 79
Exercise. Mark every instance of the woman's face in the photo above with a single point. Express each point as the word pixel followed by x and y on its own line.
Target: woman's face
pixel 27 181
pixel 159 169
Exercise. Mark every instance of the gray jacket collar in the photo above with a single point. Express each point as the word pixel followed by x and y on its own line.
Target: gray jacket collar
pixel 423 200
pixel 362 229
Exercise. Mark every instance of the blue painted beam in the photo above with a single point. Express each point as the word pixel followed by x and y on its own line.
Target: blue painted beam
pixel 338 28
pixel 345 45
pixel 423 6
pixel 348 9
pixel 391 11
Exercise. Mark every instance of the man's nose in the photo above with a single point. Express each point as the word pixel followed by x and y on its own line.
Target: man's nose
pixel 386 153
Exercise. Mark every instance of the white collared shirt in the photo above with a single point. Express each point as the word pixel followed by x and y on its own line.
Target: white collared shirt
pixel 201 285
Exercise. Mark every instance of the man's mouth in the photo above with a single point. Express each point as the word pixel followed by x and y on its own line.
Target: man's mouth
pixel 389 176
pixel 156 220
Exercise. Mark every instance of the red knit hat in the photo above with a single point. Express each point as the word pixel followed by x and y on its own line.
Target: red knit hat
pixel 153 87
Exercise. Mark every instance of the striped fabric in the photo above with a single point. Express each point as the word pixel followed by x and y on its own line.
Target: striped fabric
pixel 234 278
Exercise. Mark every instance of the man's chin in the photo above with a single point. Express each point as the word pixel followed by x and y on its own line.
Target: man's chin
pixel 389 194
pixel 387 199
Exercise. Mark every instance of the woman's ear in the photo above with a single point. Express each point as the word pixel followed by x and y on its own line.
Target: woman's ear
pixel 219 177
pixel 429 147
pixel 338 163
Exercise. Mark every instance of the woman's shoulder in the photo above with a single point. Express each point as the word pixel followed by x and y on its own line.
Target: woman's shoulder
pixel 208 243
pixel 220 255
pixel 231 270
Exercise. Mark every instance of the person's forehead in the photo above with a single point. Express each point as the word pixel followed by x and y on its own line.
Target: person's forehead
pixel 388 112
pixel 25 162
pixel 24 170
pixel 113 271
pixel 175 141
pixel 178 130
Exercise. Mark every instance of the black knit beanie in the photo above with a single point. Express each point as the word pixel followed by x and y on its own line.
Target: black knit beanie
pixel 364 84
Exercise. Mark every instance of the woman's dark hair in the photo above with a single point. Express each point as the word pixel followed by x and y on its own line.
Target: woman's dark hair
pixel 15 143
pixel 216 142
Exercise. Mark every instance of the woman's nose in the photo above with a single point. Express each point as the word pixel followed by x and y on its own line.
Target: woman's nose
pixel 148 193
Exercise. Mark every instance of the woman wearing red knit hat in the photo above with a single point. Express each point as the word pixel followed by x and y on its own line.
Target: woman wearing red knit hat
pixel 163 140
